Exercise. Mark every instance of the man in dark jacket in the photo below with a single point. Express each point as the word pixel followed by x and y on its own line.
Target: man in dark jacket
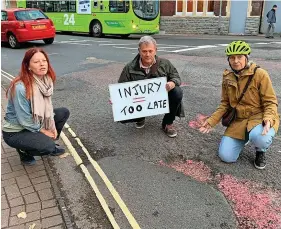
pixel 147 65
pixel 271 19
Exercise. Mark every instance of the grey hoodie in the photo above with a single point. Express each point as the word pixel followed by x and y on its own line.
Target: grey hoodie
pixel 271 17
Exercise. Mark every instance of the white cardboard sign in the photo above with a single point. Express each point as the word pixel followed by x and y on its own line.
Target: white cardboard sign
pixel 137 99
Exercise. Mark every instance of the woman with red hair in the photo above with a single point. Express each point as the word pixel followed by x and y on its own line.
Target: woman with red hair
pixel 31 125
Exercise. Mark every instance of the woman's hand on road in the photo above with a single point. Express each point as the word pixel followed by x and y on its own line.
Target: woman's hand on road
pixel 205 128
pixel 266 127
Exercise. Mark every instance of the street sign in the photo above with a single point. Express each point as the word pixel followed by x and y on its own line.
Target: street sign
pixel 139 99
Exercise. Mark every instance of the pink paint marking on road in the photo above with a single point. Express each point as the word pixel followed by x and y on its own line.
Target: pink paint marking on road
pixel 255 206
pixel 197 170
pixel 198 122
pixel 183 85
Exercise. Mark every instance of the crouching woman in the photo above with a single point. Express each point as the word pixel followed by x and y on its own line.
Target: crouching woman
pixel 31 125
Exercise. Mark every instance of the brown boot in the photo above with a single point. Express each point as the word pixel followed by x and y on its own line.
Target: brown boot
pixel 170 131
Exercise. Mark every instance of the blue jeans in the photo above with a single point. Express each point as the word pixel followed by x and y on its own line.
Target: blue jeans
pixel 230 148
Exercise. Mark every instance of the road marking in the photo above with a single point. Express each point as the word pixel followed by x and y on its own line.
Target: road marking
pixel 76 41
pixel 79 44
pixel 198 47
pixel 7 75
pixel 275 42
pixel 107 182
pixel 103 41
pixel 261 43
pixel 223 45
pixel 88 176
pixel 101 173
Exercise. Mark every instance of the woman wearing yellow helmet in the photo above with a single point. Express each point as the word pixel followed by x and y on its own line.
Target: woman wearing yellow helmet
pixel 248 107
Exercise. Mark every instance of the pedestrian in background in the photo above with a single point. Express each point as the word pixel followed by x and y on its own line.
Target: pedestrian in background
pixel 147 65
pixel 31 125
pixel 247 90
pixel 271 19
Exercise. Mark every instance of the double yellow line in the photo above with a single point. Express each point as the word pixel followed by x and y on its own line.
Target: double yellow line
pixel 88 176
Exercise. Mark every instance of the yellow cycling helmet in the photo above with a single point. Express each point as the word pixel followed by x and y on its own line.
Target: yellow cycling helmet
pixel 238 48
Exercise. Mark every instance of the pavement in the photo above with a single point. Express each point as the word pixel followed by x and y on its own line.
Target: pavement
pixel 29 189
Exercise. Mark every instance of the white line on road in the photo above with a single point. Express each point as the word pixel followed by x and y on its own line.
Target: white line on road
pixel 103 41
pixel 223 45
pixel 275 42
pixel 3 72
pixel 7 77
pixel 79 44
pixel 73 41
pixel 198 47
pixel 261 43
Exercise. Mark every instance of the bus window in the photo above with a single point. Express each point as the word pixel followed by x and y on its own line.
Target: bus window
pixel 49 6
pixel 72 6
pixel 95 4
pixel 118 6
pixel 63 6
pixel 146 9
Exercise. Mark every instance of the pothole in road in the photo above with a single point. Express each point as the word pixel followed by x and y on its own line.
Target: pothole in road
pixel 255 205
pixel 95 60
pixel 102 153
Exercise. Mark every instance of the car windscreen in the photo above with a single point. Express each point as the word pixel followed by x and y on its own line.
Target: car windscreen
pixel 28 15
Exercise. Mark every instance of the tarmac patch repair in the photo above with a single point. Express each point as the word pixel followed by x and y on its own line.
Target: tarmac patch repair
pixel 255 205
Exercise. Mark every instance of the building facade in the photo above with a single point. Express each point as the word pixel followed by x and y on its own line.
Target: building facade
pixel 8 4
pixel 243 17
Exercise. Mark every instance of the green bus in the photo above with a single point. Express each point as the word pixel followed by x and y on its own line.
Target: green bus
pixel 100 17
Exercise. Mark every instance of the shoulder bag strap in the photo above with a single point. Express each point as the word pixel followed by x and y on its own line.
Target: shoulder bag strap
pixel 247 84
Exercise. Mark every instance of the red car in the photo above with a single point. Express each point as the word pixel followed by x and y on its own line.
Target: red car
pixel 19 25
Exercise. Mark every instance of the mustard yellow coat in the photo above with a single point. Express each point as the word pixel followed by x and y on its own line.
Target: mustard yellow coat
pixel 259 102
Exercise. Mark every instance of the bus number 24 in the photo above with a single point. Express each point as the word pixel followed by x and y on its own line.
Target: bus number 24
pixel 69 20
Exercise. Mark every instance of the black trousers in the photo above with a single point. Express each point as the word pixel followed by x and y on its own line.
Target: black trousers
pixel 37 144
pixel 175 98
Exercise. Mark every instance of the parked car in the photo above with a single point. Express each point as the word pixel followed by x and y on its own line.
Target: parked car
pixel 19 25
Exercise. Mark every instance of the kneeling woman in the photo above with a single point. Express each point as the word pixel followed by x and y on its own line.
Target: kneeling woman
pixel 249 90
pixel 31 124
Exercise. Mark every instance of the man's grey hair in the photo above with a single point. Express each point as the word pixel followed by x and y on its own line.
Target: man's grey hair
pixel 147 40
